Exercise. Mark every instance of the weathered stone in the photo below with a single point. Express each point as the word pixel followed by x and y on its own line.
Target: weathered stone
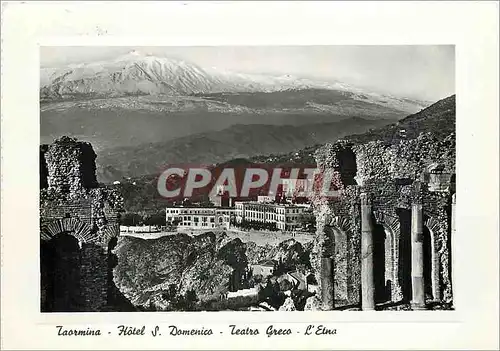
pixel 78 219
pixel 393 174
pixel 313 303
pixel 288 305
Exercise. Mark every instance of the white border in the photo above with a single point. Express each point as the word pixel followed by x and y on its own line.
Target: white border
pixel 472 27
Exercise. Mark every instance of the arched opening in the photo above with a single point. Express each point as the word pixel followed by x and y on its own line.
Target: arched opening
pixel 404 254
pixel 390 283
pixel 428 247
pixel 336 247
pixel 311 279
pixel 382 264
pixel 60 274
pixel 340 268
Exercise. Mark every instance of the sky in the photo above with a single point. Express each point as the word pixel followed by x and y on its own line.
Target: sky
pixel 425 72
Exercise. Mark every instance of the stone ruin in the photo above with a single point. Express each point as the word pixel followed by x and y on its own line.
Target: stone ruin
pixel 78 229
pixel 385 240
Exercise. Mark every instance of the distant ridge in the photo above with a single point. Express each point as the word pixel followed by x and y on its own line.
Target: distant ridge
pixel 236 141
pixel 143 74
pixel 439 119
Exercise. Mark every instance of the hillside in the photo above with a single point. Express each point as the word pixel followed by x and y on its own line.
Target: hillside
pixel 237 141
pixel 438 119
pixel 117 122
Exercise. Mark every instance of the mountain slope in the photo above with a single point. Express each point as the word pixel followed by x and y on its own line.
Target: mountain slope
pixel 139 74
pixel 130 121
pixel 237 141
pixel 438 119
pixel 139 98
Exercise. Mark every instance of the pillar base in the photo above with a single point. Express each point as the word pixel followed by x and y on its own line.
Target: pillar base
pixel 418 306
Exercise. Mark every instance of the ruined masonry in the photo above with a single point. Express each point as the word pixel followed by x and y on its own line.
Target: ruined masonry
pixel 385 240
pixel 78 229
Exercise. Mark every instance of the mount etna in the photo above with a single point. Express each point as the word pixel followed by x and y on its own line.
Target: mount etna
pixel 141 112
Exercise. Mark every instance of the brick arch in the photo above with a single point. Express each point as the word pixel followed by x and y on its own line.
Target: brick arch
pixel 388 221
pixel 435 228
pixel 392 228
pixel 73 226
pixel 109 232
pixel 341 223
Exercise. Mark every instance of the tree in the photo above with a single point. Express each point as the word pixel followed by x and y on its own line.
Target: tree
pixel 156 219
pixel 131 219
pixel 307 221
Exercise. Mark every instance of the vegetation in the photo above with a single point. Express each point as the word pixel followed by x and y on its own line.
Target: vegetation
pixel 307 221
pixel 141 192
pixel 179 302
pixel 438 119
pixel 256 225
pixel 157 219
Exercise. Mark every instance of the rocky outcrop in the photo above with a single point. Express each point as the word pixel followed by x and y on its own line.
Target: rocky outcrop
pixel 148 269
pixel 313 303
pixel 156 273
pixel 288 305
pixel 256 253
pixel 289 254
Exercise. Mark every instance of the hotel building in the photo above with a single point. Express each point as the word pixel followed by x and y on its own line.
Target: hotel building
pixel 199 217
pixel 286 216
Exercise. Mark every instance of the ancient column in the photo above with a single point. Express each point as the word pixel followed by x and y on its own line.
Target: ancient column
pixel 327 294
pixel 417 256
pixel 367 277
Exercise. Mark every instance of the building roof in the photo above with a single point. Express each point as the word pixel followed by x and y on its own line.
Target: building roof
pixel 267 263
pixel 201 207
pixel 272 204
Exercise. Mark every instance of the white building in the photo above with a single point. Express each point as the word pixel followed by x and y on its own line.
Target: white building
pixel 286 216
pixel 295 187
pixel 199 217
pixel 264 268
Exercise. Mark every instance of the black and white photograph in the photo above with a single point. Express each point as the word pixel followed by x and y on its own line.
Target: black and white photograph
pixel 247 178
pixel 236 175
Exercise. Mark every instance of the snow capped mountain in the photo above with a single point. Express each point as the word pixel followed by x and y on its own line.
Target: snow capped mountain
pixel 132 74
pixel 142 74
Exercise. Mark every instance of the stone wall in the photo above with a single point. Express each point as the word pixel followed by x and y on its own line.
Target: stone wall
pixel 73 204
pixel 393 175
